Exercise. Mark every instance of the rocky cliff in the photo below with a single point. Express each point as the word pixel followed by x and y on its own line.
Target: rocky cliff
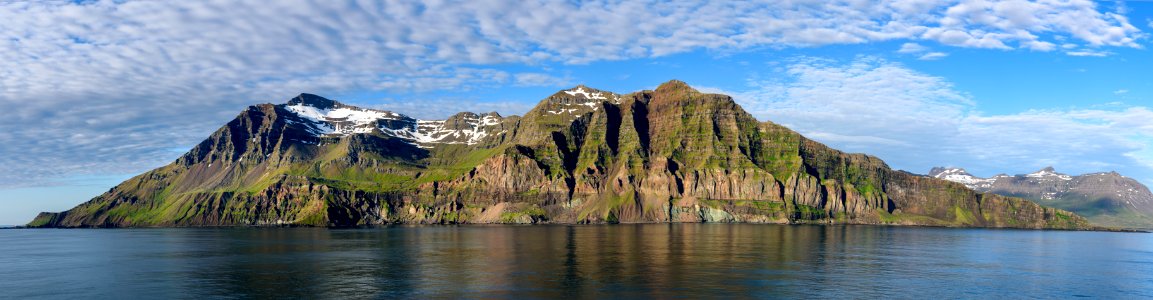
pixel 580 156
pixel 1105 198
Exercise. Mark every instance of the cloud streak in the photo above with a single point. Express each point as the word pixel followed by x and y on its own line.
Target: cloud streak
pixel 933 56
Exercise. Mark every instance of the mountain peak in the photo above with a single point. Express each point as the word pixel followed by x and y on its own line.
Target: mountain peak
pixel 575 101
pixel 1048 172
pixel 312 100
pixel 938 172
pixel 958 175
pixel 674 85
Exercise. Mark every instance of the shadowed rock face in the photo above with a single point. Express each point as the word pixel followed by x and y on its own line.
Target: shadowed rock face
pixel 313 101
pixel 1105 198
pixel 581 156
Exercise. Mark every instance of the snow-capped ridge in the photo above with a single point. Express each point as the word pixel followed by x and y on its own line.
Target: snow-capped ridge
pixel 330 118
pixel 947 171
pixel 959 175
pixel 583 95
pixel 588 94
pixel 1124 198
pixel 1048 172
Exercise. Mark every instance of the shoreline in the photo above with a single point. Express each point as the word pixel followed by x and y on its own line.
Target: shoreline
pixel 1099 229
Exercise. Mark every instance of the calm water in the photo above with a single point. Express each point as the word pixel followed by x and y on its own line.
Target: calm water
pixel 616 261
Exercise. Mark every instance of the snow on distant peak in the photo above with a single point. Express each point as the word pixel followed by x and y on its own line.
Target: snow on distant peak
pixel 343 120
pixel 961 176
pixel 948 171
pixel 1048 172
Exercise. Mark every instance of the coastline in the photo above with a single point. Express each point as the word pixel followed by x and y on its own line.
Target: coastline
pixel 1097 229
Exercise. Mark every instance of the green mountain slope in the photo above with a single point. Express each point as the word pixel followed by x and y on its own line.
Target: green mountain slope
pixel 580 156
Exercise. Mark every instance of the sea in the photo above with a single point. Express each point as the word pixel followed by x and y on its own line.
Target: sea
pixel 619 261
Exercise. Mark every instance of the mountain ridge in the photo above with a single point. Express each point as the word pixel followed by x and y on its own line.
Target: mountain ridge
pixel 582 155
pixel 1106 198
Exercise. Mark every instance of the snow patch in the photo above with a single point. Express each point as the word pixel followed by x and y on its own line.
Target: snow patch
pixel 489 121
pixel 563 111
pixel 587 94
pixel 434 132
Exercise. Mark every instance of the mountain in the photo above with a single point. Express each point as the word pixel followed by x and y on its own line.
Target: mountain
pixel 582 155
pixel 1107 199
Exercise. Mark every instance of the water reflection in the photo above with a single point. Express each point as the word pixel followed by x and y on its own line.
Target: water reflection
pixel 596 261
pixel 663 260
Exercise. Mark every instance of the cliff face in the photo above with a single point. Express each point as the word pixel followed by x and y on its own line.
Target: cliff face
pixel 1105 198
pixel 581 156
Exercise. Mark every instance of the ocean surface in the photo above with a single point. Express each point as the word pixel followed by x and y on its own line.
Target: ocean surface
pixel 585 261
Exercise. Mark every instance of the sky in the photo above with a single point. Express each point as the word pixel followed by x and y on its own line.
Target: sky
pixel 94 92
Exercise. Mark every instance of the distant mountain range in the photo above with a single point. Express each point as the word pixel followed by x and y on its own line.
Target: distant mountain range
pixel 582 155
pixel 1105 198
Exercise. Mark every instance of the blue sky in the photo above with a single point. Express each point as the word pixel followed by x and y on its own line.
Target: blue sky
pixel 97 91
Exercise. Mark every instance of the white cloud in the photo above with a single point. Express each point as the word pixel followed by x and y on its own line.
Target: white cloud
pixel 1121 92
pixel 540 79
pixel 961 38
pixel 1040 46
pixel 916 121
pixel 112 86
pixel 1091 53
pixel 933 56
pixel 912 48
pixel 1081 139
pixel 868 99
pixel 922 51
